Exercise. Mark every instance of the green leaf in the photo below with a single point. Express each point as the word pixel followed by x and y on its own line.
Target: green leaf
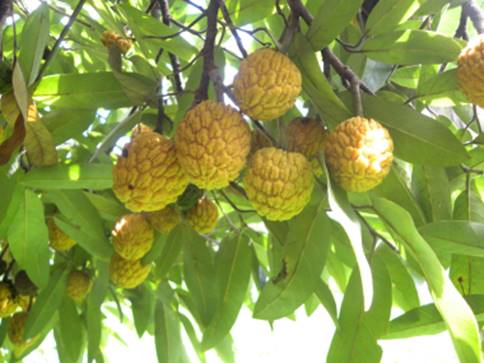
pixel 326 298
pixel 456 313
pixel 467 274
pixel 28 239
pixel 143 308
pixel 441 89
pixel 138 88
pixel 108 207
pixel 249 11
pixel 190 330
pixel 72 335
pixel 65 124
pixel 389 14
pixel 469 204
pixel 232 267
pixel 171 249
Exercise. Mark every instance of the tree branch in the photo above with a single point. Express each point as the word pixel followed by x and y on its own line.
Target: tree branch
pixel 475 13
pixel 461 31
pixel 233 30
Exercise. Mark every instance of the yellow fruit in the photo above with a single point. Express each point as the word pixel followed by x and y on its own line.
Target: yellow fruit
pixel 124 44
pixel 23 302
pixel 306 136
pixel 148 177
pixel 132 236
pixel 359 154
pixel 203 216
pixel 212 143
pixel 267 84
pixel 278 183
pixel 78 285
pixel 127 274
pixel 16 328
pixel 110 38
pixel 8 304
pixel 470 72
pixel 59 241
pixel 164 220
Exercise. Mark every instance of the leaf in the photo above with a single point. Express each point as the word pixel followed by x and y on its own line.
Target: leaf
pixel 456 313
pixel 72 333
pixel 20 91
pixel 249 11
pixel 304 255
pixel 156 249
pixel 143 308
pixel 331 19
pixel 38 142
pixel 442 87
pixel 407 47
pixel 65 124
pixel 28 238
pixel 467 274
pixel 187 324
pixel 71 176
pixel 138 88
pixel 13 197
pixel 232 267
pixel 326 298
pixel 171 250
pixel 108 207
pixel 10 144
pixel 469 204
pixel 389 14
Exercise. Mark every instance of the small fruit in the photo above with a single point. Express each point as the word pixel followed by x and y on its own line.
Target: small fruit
pixel 16 328
pixel 127 274
pixel 23 284
pixel 359 154
pixel 267 84
pixel 124 45
pixel 7 300
pixel 470 71
pixel 203 216
pixel 278 183
pixel 59 241
pixel 24 301
pixel 212 143
pixel 164 220
pixel 147 176
pixel 132 236
pixel 78 285
pixel 110 38
pixel 306 136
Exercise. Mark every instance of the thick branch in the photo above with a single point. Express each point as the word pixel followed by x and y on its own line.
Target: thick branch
pixel 475 13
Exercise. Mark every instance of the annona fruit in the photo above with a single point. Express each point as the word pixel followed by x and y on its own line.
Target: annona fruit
pixel 109 38
pixel 24 301
pixel 132 236
pixel 267 84
pixel 124 45
pixel 16 328
pixel 306 136
pixel 278 183
pixel 59 241
pixel 7 300
pixel 78 285
pixel 127 274
pixel 147 176
pixel 23 284
pixel 164 220
pixel 359 154
pixel 212 143
pixel 470 71
pixel 203 216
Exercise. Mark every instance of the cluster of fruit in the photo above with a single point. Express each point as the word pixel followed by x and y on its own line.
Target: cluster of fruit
pixel 113 40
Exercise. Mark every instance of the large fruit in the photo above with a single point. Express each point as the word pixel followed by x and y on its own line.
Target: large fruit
pixel 306 136
pixel 359 154
pixel 278 183
pixel 78 285
pixel 164 220
pixel 127 274
pixel 212 143
pixel 7 300
pixel 470 72
pixel 267 84
pixel 147 176
pixel 59 241
pixel 15 331
pixel 132 236
pixel 203 216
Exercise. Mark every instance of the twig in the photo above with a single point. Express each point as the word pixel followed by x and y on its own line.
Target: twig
pixel 355 89
pixel 281 13
pixel 179 32
pixel 375 234
pixel 234 207
pixel 233 30
pixel 118 304
pixel 461 31
pixel 468 170
pixel 475 13
pixel 264 131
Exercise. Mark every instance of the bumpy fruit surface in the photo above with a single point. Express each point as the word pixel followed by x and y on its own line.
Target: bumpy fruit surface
pixel 164 220
pixel 203 216
pixel 7 300
pixel 110 38
pixel 78 285
pixel 470 72
pixel 278 183
pixel 16 328
pixel 212 143
pixel 59 241
pixel 124 45
pixel 359 154
pixel 127 274
pixel 148 177
pixel 132 236
pixel 267 84
pixel 306 136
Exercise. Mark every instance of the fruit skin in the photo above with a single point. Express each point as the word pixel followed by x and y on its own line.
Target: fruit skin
pixel 127 274
pixel 359 154
pixel 15 331
pixel 132 236
pixel 278 183
pixel 59 241
pixel 78 285
pixel 110 38
pixel 306 136
pixel 267 84
pixel 212 144
pixel 203 216
pixel 470 71
pixel 164 220
pixel 124 45
pixel 148 177
pixel 8 304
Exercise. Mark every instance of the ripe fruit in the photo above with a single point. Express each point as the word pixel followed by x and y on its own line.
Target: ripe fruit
pixel 203 216
pixel 278 183
pixel 267 84
pixel 124 45
pixel 306 136
pixel 109 38
pixel 127 274
pixel 132 236
pixel 212 143
pixel 78 285
pixel 7 300
pixel 59 241
pixel 148 177
pixel 470 72
pixel 164 220
pixel 359 154
pixel 15 331
pixel 23 284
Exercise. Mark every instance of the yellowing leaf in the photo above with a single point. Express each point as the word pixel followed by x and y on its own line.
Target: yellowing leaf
pixel 38 140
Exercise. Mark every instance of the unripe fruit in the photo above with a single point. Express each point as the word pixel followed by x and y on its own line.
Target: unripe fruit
pixel 278 183
pixel 470 71
pixel 124 45
pixel 24 301
pixel 359 154
pixel 164 220
pixel 306 136
pixel 78 285
pixel 203 216
pixel 59 241
pixel 212 143
pixel 267 84
pixel 132 236
pixel 7 300
pixel 15 331
pixel 148 177
pixel 127 274
pixel 23 284
pixel 109 38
